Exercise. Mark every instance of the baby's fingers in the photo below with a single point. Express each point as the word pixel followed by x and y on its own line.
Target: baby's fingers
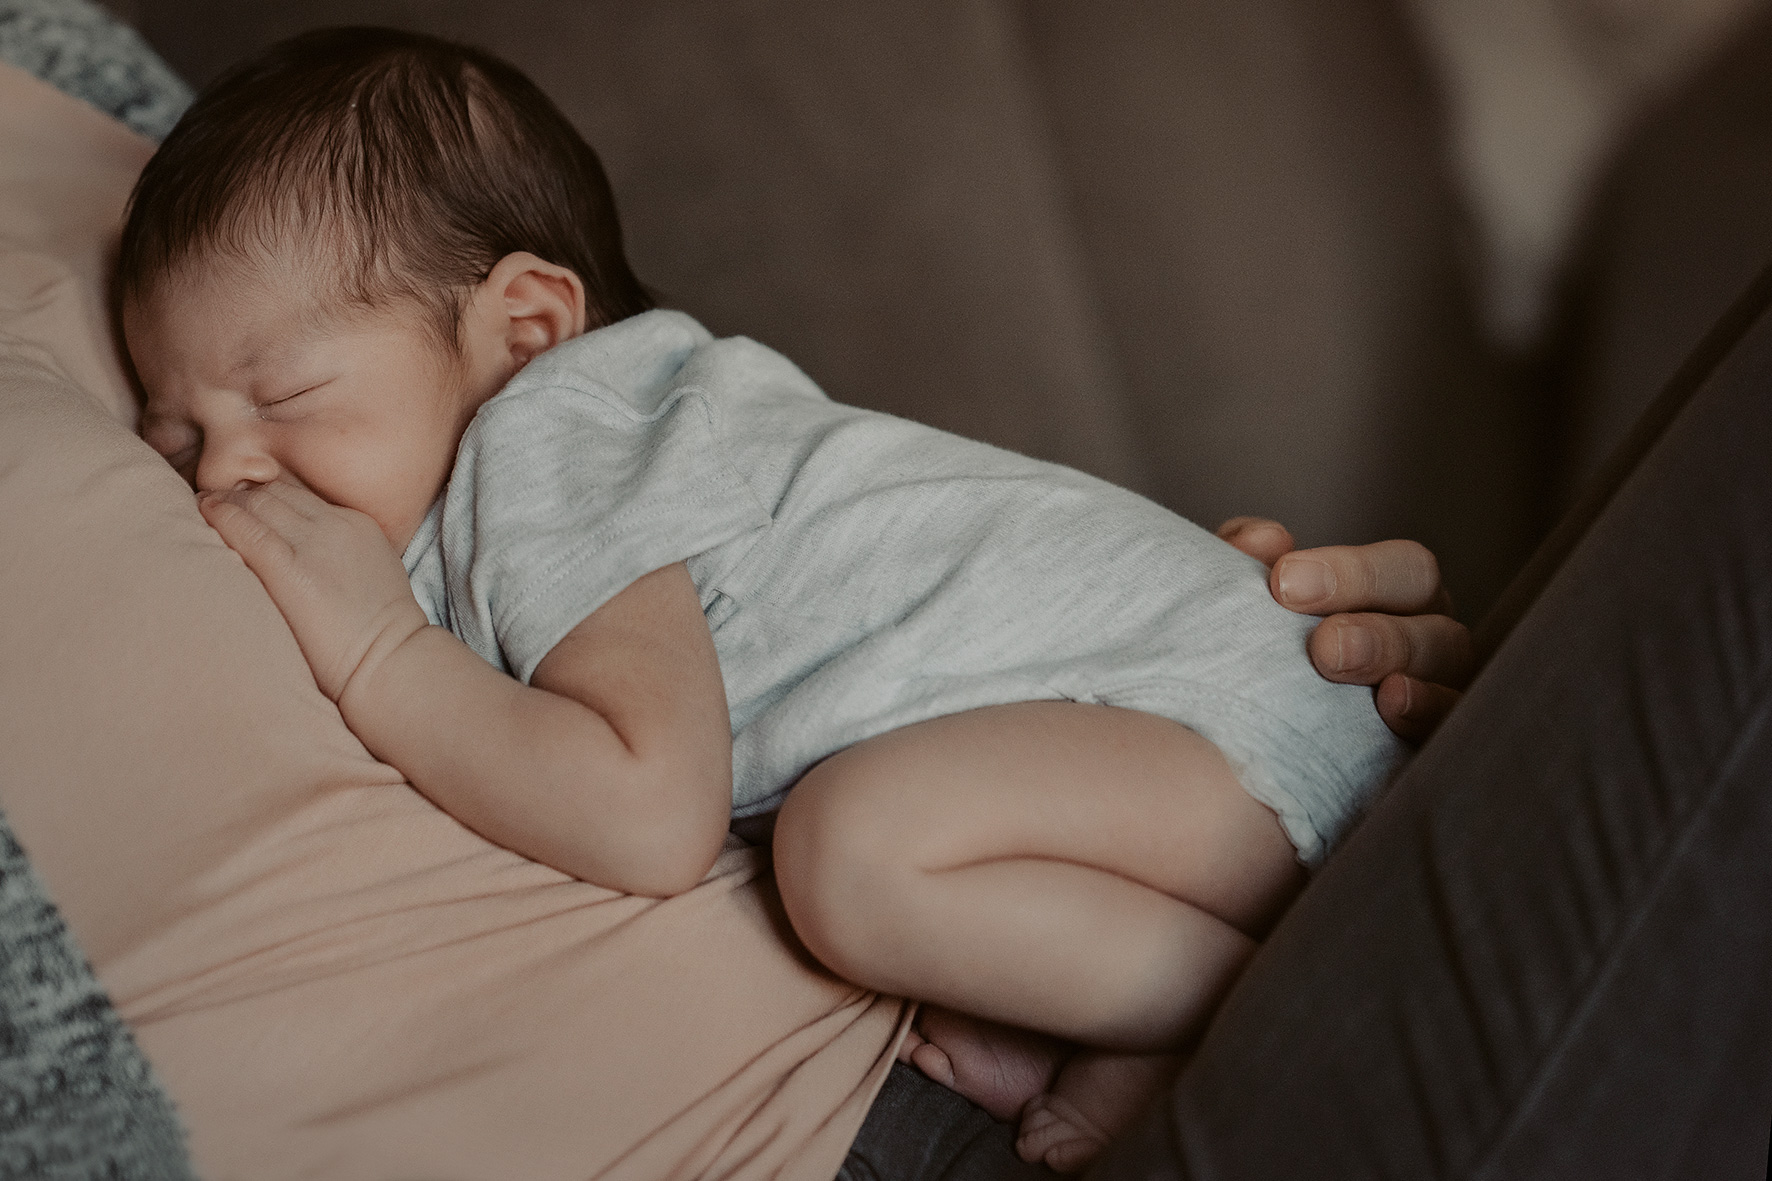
pixel 249 531
pixel 276 505
pixel 264 532
pixel 292 500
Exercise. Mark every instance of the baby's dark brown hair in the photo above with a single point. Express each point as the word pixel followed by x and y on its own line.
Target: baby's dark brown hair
pixel 410 164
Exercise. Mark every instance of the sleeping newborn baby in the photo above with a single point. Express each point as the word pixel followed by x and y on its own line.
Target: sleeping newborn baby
pixel 1041 752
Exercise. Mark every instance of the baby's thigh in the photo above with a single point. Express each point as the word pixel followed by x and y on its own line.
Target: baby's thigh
pixel 1118 790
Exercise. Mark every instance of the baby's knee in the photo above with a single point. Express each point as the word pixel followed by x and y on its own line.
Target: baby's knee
pixel 836 868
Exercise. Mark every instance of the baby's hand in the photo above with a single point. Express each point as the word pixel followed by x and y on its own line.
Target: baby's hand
pixel 1389 619
pixel 330 571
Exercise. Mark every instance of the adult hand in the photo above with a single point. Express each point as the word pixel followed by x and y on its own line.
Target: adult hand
pixel 1389 619
pixel 329 570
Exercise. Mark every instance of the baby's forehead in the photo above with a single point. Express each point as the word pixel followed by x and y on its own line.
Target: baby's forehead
pixel 227 321
pixel 299 277
pixel 264 295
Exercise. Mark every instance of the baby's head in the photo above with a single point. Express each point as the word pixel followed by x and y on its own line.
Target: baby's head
pixel 346 246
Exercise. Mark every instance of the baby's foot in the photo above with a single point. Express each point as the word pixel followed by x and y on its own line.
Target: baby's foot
pixel 996 1066
pixel 1095 1097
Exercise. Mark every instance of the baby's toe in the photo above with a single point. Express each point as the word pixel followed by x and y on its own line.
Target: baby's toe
pixel 1054 1131
pixel 908 1047
pixel 933 1061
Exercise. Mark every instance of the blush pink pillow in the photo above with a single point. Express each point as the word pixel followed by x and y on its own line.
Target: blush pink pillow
pixel 332 977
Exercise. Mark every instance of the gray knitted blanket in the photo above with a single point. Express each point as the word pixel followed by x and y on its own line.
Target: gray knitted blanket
pixel 77 1099
pixel 78 1102
pixel 80 48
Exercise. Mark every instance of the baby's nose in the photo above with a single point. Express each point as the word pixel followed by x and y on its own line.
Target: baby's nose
pixel 229 464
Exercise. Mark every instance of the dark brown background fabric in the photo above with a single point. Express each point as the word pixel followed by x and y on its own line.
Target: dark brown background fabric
pixel 1260 192
pixel 1200 248
pixel 1209 249
pixel 1681 228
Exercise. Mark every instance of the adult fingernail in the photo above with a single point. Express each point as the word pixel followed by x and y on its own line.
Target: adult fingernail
pixel 1305 580
pixel 1355 648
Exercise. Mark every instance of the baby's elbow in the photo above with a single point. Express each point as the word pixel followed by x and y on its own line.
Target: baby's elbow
pixel 667 883
pixel 673 854
pixel 668 872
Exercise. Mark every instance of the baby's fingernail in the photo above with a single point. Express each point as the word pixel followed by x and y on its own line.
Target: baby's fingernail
pixel 1355 648
pixel 1305 580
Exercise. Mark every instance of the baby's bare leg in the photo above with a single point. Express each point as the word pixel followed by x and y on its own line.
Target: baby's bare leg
pixel 1088 872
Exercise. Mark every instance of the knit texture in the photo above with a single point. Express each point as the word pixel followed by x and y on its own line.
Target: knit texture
pixel 82 50
pixel 77 1099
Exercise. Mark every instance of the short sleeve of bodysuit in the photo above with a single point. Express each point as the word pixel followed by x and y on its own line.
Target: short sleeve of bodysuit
pixel 567 489
pixel 863 573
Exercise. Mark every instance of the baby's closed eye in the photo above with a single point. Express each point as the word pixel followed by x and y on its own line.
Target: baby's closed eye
pixel 287 398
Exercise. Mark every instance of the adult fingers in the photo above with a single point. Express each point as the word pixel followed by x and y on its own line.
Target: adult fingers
pixel 1364 649
pixel 1413 709
pixel 1396 577
pixel 1260 538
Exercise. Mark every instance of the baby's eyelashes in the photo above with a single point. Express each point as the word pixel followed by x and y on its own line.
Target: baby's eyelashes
pixel 285 398
pixel 267 403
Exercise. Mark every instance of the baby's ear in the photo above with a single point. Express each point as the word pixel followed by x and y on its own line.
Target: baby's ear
pixel 538 303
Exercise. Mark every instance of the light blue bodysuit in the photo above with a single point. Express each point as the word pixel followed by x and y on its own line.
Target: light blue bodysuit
pixel 860 572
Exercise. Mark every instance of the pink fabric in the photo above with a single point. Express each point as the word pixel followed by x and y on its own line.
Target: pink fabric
pixel 332 977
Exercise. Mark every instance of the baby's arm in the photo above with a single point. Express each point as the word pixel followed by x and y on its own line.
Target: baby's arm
pixel 614 766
